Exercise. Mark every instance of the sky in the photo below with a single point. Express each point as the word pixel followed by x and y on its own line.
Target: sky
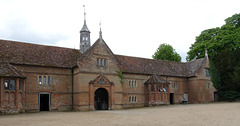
pixel 129 27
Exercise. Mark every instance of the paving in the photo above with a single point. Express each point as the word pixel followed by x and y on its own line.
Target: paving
pixel 213 114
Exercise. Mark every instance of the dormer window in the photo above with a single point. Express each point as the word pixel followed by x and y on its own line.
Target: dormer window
pixel 207 72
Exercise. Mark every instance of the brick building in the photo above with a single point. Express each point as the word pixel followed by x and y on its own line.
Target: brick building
pixel 47 78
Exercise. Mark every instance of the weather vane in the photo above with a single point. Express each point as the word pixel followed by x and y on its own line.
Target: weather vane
pixel 100 32
pixel 84 13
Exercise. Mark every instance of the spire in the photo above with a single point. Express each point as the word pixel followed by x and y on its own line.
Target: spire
pixel 84 14
pixel 84 28
pixel 100 32
pixel 85 42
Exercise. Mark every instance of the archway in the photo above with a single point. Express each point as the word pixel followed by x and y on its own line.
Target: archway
pixel 101 99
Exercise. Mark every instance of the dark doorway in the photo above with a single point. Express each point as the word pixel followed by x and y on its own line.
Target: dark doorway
pixel 101 99
pixel 171 98
pixel 215 97
pixel 44 102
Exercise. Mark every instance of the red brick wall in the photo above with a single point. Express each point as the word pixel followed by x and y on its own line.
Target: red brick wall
pixel 60 87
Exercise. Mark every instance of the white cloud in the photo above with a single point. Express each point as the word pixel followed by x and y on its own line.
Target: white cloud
pixel 130 27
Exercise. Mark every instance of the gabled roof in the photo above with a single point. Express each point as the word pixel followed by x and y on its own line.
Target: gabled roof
pixel 41 55
pixel 194 66
pixel 156 79
pixel 7 70
pixel 99 40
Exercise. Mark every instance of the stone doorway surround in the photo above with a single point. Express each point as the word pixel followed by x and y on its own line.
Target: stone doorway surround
pixel 101 82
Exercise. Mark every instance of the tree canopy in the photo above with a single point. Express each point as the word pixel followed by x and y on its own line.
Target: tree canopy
pixel 166 52
pixel 223 45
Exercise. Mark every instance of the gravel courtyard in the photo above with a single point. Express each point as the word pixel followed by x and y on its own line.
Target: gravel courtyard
pixel 215 114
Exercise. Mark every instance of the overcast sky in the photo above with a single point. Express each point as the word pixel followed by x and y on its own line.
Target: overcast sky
pixel 130 27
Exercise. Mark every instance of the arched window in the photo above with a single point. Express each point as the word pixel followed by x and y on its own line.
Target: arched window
pixel 135 99
pixel 130 98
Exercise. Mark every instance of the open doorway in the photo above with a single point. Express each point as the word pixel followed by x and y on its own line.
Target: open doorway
pixel 171 98
pixel 101 99
pixel 44 100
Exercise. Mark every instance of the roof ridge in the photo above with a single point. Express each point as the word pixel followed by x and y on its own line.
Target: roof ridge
pixel 36 44
pixel 152 59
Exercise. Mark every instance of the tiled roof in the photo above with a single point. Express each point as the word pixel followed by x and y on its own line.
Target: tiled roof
pixel 156 79
pixel 194 66
pixel 41 55
pixel 7 70
pixel 159 67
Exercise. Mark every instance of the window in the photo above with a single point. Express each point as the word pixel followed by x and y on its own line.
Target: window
pixel 12 85
pixel 6 85
pixel 132 99
pixel 20 85
pixel 40 79
pixel 104 62
pixel 152 88
pixel 208 85
pixel 132 83
pixel 207 73
pixel 101 62
pixel 174 85
pixel 49 80
pixel 97 62
pixel 44 79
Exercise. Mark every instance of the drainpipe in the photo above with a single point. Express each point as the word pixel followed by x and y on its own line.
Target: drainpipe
pixel 72 87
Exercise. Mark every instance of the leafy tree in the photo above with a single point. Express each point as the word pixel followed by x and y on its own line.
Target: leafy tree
pixel 215 78
pixel 217 39
pixel 166 52
pixel 223 45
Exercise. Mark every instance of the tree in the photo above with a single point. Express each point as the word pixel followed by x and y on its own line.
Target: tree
pixel 215 78
pixel 217 39
pixel 166 52
pixel 223 45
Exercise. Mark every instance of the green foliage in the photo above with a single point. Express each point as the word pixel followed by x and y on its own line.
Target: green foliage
pixel 223 45
pixel 230 95
pixel 166 52
pixel 217 39
pixel 120 75
pixel 215 78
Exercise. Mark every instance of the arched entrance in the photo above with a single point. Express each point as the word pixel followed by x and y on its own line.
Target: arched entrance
pixel 101 99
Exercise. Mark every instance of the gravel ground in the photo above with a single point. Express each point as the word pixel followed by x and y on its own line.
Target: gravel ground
pixel 214 114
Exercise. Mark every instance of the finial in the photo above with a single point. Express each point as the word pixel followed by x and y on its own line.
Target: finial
pixel 206 53
pixel 84 14
pixel 100 32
